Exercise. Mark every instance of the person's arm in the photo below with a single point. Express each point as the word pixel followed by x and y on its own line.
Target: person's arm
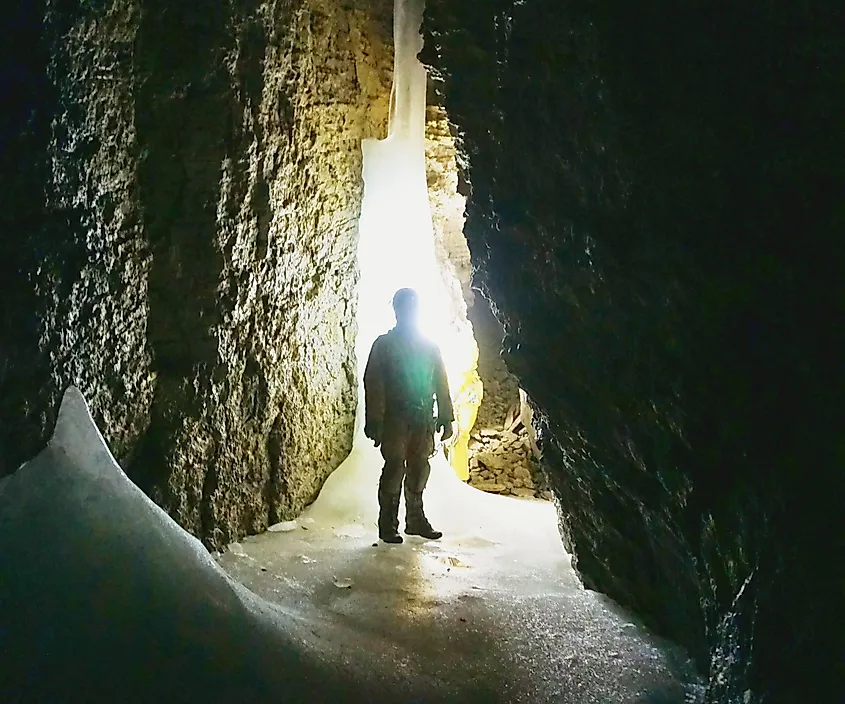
pixel 445 412
pixel 374 395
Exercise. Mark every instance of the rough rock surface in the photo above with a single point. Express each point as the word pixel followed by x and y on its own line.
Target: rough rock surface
pixel 181 239
pixel 501 388
pixel 656 212
pixel 448 205
pixel 502 461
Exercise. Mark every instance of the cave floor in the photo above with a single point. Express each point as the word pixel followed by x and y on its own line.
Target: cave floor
pixel 493 612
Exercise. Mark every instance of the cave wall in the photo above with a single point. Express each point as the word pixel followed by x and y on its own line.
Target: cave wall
pixel 655 210
pixel 447 204
pixel 181 242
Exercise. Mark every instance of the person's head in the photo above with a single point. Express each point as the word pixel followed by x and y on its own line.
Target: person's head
pixel 406 307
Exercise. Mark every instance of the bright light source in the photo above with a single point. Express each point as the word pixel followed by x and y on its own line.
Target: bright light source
pixel 396 247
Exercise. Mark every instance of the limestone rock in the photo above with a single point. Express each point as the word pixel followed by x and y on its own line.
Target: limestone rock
pixel 491 461
pixel 182 244
pixel 491 487
pixel 522 473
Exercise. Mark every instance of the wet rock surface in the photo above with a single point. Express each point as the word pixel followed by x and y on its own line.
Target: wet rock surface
pixel 181 241
pixel 652 208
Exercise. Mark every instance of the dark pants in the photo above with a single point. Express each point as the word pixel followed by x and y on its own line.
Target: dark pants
pixel 406 445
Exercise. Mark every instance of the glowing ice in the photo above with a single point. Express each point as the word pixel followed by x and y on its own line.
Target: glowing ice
pixel 396 247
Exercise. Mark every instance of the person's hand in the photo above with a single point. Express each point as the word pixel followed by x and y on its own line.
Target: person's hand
pixel 372 430
pixel 446 428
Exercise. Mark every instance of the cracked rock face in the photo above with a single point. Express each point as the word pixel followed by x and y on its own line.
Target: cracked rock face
pixel 653 211
pixel 193 265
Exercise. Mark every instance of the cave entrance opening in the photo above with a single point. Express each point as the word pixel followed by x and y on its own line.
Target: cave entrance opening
pixel 412 234
pixel 397 245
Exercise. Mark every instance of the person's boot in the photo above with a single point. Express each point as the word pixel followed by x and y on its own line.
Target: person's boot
pixel 415 521
pixel 388 518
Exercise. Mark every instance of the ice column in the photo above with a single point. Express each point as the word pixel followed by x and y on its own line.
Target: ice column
pixel 396 246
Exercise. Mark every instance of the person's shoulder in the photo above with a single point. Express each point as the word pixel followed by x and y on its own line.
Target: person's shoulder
pixel 381 341
pixel 387 341
pixel 431 346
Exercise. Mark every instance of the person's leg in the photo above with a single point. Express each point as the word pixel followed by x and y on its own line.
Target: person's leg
pixel 394 450
pixel 420 447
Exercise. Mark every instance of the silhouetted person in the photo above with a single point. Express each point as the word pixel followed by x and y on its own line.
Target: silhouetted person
pixel 404 375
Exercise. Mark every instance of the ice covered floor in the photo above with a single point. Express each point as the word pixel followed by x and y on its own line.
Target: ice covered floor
pixel 491 613
pixel 103 598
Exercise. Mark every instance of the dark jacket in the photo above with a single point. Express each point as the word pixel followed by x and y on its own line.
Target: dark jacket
pixel 404 374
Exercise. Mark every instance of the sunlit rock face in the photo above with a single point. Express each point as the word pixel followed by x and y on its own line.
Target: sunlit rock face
pixel 447 204
pixel 181 241
pixel 656 212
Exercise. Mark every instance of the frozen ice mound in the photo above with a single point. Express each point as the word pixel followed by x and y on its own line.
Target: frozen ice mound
pixel 103 597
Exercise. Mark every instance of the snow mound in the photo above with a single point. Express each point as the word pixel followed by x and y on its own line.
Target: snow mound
pixel 104 598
